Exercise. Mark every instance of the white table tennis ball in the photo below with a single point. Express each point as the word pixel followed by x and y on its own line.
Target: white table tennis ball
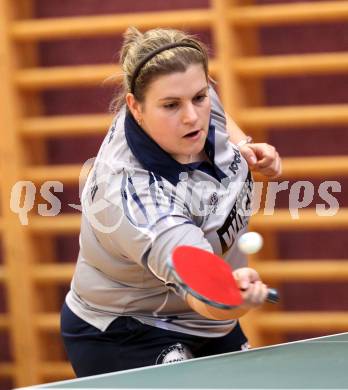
pixel 250 242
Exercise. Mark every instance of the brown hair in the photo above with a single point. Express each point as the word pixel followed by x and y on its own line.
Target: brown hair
pixel 142 58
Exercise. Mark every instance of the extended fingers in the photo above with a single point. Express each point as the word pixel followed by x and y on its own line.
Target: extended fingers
pixel 253 291
pixel 256 294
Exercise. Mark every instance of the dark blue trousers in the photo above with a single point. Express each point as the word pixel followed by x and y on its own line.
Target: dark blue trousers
pixel 127 343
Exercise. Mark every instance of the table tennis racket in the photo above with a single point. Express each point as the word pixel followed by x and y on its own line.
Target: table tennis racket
pixel 208 277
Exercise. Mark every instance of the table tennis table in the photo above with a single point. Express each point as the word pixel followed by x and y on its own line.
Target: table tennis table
pixel 318 363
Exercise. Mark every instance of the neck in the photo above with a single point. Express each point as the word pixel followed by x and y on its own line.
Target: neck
pixel 201 156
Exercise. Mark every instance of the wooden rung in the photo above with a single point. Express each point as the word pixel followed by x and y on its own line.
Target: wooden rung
pixel 71 27
pixel 7 370
pixel 68 173
pixel 68 76
pixel 252 118
pixel 75 76
pixel 56 370
pixel 90 75
pixel 290 270
pixel 60 224
pixel 308 220
pixel 303 270
pixel 49 273
pixel 318 167
pixel 65 126
pixel 293 116
pixel 48 322
pixel 292 321
pixel 86 26
pixel 302 321
pixel 280 220
pixel 4 321
pixel 291 13
pixel 288 65
pixel 293 167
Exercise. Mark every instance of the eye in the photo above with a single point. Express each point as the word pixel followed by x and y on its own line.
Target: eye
pixel 171 106
pixel 199 98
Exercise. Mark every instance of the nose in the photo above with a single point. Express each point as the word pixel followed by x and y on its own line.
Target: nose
pixel 189 115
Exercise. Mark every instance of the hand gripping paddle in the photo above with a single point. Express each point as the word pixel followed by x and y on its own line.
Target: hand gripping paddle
pixel 208 277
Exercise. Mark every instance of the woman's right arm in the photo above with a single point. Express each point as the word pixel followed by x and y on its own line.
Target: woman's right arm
pixel 146 231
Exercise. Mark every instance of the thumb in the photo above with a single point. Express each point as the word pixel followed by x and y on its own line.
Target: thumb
pixel 249 155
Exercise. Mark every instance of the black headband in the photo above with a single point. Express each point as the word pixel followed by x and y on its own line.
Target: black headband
pixel 153 54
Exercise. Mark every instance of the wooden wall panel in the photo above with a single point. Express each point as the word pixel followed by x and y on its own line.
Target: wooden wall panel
pixel 53 118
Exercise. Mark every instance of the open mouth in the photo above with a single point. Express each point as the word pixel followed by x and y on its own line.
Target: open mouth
pixel 192 134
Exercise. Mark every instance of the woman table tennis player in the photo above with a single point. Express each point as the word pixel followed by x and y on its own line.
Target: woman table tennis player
pixel 166 175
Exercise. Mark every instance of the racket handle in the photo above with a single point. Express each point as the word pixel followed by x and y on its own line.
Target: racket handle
pixel 272 296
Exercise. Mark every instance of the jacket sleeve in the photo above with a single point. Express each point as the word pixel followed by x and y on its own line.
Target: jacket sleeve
pixel 143 219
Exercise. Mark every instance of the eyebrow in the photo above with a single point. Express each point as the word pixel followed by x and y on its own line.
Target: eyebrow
pixel 205 89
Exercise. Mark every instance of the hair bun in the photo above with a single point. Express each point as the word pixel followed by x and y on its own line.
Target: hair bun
pixel 131 36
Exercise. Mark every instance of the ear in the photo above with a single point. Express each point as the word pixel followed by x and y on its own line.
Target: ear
pixel 134 106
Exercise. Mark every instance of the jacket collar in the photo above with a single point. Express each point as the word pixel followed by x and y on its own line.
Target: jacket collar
pixel 154 159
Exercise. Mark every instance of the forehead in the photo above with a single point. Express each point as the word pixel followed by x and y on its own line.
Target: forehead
pixel 178 84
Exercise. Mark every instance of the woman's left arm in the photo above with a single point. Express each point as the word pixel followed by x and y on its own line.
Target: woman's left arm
pixel 261 157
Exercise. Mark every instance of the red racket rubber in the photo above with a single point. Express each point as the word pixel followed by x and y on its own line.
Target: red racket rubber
pixel 208 277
